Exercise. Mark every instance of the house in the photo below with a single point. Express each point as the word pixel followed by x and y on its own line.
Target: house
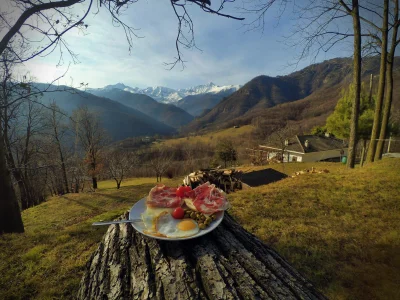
pixel 307 148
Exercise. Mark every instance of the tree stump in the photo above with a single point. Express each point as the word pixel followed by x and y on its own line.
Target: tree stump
pixel 228 263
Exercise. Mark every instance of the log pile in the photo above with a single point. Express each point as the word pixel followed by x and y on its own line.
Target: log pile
pixel 227 180
pixel 227 263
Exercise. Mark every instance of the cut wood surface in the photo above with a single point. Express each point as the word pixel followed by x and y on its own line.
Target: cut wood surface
pixel 228 263
pixel 227 180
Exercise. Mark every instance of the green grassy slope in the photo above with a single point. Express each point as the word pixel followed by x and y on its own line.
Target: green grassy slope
pixel 47 261
pixel 340 229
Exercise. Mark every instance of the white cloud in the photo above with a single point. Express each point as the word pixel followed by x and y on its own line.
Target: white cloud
pixel 230 56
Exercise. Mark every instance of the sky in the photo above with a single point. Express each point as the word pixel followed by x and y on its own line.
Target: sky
pixel 230 52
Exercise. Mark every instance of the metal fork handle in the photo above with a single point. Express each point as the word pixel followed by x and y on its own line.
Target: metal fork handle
pixel 116 222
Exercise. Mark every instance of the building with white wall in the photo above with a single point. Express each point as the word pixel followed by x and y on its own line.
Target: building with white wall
pixel 307 148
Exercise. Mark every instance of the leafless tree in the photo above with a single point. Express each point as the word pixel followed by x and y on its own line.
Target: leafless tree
pixel 322 30
pixel 22 126
pixel 58 130
pixel 119 163
pixel 160 160
pixel 395 40
pixel 50 21
pixel 280 139
pixel 76 173
pixel 92 138
pixel 383 41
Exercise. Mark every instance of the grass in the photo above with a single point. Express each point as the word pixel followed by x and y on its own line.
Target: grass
pixel 111 184
pixel 47 261
pixel 340 229
pixel 212 137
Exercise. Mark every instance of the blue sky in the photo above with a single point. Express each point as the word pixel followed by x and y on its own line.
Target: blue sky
pixel 230 53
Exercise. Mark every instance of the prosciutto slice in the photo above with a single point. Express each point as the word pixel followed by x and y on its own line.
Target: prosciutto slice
pixel 163 196
pixel 208 199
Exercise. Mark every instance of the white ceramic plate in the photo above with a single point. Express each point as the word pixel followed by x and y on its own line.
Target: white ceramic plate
pixel 140 207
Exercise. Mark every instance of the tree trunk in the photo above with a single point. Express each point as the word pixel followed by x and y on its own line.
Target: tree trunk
pixel 357 86
pixel 118 185
pixel 228 263
pixel 381 85
pixel 10 214
pixel 363 152
pixel 389 87
pixel 64 173
pixel 94 182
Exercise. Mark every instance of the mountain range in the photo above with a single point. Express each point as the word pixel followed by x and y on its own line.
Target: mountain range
pixel 119 121
pixel 168 114
pixel 305 98
pixel 168 95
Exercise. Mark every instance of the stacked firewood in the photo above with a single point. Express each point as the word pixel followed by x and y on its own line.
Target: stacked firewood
pixel 226 180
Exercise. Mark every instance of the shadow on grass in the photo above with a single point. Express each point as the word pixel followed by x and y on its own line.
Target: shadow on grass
pixel 96 209
pixel 127 193
pixel 346 272
pixel 262 177
pixel 127 187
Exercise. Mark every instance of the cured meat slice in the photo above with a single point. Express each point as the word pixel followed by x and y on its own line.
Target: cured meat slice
pixel 163 196
pixel 208 199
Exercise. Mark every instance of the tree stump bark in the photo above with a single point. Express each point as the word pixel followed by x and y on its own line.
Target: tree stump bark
pixel 228 263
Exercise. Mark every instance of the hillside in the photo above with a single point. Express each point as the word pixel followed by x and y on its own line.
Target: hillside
pixel 120 121
pixel 340 229
pixel 196 104
pixel 279 98
pixel 212 138
pixel 168 95
pixel 166 113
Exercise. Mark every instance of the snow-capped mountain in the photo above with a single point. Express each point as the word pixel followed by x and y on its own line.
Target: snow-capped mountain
pixel 208 88
pixel 168 95
pixel 162 94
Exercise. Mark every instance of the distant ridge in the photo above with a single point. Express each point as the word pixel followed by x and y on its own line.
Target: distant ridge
pixel 168 95
pixel 307 96
pixel 166 113
pixel 120 121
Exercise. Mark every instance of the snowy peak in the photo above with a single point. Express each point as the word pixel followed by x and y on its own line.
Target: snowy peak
pixel 168 95
pixel 209 88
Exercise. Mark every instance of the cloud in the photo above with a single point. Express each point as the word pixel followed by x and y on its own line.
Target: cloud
pixel 229 55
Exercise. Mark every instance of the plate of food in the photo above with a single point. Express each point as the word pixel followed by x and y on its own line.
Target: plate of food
pixel 176 214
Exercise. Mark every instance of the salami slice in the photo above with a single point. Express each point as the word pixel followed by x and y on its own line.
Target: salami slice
pixel 208 199
pixel 163 196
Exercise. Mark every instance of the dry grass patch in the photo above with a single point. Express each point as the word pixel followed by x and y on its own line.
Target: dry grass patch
pixel 340 229
pixel 212 138
pixel 47 261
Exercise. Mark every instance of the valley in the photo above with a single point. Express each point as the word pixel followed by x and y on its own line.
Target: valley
pixel 303 99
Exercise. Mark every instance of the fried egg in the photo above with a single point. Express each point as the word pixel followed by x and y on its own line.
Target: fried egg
pixel 149 217
pixel 167 226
